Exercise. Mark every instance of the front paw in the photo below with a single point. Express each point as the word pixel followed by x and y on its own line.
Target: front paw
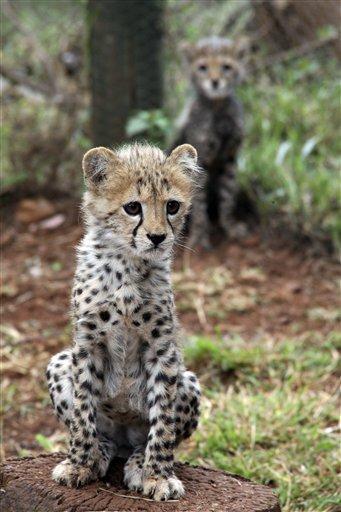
pixel 161 489
pixel 72 475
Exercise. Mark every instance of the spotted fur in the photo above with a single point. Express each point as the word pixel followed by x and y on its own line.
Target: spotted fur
pixel 213 123
pixel 122 388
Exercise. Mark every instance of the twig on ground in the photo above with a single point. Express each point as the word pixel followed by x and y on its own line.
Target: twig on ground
pixel 132 497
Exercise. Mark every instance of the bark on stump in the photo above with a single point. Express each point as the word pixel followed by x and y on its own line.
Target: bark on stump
pixel 27 486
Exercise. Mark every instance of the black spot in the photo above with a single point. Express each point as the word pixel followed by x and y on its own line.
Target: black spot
pixel 146 316
pixel 62 356
pixel 105 316
pixel 79 291
pixel 107 268
pixel 137 309
pixel 86 385
pixel 168 420
pixel 119 276
pixel 91 326
pixel 155 333
pixel 92 368
pixel 168 445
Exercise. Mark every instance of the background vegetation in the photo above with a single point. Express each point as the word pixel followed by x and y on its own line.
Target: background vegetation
pixel 290 160
pixel 270 388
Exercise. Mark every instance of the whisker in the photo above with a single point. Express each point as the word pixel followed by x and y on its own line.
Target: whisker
pixel 185 247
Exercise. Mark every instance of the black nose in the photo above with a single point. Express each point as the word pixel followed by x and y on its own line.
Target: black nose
pixel 215 84
pixel 156 239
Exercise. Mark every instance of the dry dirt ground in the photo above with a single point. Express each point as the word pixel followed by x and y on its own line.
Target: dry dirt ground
pixel 250 288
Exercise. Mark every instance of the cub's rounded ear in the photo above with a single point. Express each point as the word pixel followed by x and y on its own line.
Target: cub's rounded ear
pixel 96 164
pixel 184 152
pixel 186 157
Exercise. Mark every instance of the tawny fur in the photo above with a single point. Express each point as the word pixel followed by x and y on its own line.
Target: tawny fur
pixel 122 388
pixel 213 123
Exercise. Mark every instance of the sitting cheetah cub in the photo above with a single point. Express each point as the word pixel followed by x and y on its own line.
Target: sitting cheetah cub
pixel 122 389
pixel 213 122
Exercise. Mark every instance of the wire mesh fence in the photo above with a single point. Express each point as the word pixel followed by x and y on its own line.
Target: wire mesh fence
pixel 125 63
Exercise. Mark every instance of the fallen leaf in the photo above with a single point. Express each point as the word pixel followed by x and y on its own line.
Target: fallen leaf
pixel 52 222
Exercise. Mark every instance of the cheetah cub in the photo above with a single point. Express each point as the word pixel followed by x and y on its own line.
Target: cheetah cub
pixel 213 122
pixel 122 389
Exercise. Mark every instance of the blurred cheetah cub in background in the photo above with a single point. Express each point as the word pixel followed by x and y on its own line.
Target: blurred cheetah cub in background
pixel 122 388
pixel 213 123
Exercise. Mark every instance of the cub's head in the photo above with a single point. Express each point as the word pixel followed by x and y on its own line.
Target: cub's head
pixel 138 197
pixel 215 65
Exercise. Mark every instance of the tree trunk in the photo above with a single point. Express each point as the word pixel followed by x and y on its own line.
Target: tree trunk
pixel 125 63
pixel 27 487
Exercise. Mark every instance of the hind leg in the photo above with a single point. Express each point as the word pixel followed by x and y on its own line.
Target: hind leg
pixel 227 193
pixel 60 382
pixel 133 469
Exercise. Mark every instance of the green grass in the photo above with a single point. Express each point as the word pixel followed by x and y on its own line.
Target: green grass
pixel 275 419
pixel 290 161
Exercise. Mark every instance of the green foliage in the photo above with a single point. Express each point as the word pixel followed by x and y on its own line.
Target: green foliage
pixel 152 125
pixel 44 442
pixel 290 160
pixel 275 423
pixel 45 116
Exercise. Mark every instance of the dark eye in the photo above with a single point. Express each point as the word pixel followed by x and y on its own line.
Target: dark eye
pixel 173 207
pixel 133 208
pixel 202 68
pixel 226 67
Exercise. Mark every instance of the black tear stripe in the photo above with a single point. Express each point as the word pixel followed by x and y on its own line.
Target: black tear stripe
pixel 137 226
pixel 169 222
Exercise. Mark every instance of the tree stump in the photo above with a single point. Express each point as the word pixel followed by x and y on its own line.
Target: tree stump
pixel 27 486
